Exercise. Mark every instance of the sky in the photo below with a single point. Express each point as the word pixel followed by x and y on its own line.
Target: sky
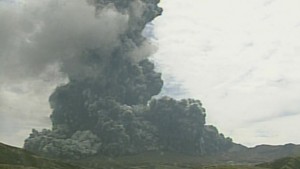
pixel 239 57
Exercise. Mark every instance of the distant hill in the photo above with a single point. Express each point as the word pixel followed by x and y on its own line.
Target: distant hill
pixel 16 158
pixel 263 153
pixel 241 155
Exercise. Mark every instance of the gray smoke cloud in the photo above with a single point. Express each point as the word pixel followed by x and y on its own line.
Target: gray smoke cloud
pixel 104 107
pixel 100 48
pixel 40 34
pixel 42 43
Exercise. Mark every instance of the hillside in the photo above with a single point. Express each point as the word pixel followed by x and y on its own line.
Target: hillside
pixel 16 158
pixel 283 163
pixel 259 154
pixel 239 157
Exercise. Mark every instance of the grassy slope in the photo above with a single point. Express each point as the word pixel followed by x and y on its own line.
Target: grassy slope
pixel 157 160
pixel 283 163
pixel 11 157
pixel 239 158
pixel 15 158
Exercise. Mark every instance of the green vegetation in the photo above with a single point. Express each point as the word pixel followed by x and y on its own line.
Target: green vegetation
pixel 283 163
pixel 15 158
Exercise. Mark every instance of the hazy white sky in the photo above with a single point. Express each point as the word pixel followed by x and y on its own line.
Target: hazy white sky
pixel 241 59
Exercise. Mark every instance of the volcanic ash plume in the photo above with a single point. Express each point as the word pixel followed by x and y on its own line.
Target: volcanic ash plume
pixel 106 106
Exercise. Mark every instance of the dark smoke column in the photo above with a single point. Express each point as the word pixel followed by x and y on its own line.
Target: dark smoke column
pixel 104 109
pixel 99 111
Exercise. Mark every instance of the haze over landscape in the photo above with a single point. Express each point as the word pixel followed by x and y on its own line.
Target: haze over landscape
pixel 240 58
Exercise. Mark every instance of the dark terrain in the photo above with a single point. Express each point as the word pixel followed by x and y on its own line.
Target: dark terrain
pixel 16 158
pixel 260 157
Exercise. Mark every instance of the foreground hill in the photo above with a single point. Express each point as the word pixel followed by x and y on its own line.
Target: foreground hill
pixel 16 158
pixel 283 163
pixel 239 157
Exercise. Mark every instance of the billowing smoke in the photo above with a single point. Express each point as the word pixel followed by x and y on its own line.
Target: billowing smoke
pixel 106 106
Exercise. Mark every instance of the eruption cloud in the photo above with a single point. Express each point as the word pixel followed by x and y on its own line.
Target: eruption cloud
pixel 106 107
